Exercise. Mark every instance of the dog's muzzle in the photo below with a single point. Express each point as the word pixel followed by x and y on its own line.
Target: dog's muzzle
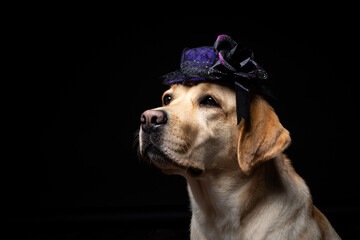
pixel 153 124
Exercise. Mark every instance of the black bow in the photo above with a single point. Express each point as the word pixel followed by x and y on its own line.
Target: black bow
pixel 237 62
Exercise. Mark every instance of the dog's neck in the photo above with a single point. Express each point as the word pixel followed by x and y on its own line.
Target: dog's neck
pixel 225 200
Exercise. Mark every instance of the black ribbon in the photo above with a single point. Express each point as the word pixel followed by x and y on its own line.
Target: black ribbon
pixel 237 62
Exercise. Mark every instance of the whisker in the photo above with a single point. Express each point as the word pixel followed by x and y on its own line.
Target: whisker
pixel 136 138
pixel 136 143
pixel 225 169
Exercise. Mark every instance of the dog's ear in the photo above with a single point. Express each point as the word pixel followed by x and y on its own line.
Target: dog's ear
pixel 263 139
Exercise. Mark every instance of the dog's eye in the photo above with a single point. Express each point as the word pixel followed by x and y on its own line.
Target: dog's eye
pixel 167 99
pixel 209 101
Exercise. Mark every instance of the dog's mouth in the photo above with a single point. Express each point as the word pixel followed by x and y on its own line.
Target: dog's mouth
pixel 151 153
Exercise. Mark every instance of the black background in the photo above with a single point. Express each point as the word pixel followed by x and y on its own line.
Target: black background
pixel 80 84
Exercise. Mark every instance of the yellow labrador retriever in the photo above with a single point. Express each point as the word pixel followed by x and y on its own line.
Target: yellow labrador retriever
pixel 240 184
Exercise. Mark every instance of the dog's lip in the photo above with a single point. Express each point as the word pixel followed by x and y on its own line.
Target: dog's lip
pixel 153 143
pixel 191 170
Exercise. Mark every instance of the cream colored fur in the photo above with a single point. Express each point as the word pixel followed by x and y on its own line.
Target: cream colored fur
pixel 247 188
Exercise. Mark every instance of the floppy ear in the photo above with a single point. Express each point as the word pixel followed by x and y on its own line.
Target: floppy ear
pixel 263 139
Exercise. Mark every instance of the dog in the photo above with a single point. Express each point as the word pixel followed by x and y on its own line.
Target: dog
pixel 240 184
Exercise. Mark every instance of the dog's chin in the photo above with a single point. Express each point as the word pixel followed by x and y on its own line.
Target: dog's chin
pixel 167 164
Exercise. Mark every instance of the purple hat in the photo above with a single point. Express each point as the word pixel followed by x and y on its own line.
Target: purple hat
pixel 225 61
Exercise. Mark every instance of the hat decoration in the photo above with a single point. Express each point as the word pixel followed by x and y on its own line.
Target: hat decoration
pixel 227 61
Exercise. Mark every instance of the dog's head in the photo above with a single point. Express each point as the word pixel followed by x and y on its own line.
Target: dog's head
pixel 196 131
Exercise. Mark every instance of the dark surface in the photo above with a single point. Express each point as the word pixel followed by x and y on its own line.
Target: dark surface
pixel 80 86
pixel 134 223
pixel 114 223
pixel 130 223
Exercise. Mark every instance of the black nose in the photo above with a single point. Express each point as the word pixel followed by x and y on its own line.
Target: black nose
pixel 151 119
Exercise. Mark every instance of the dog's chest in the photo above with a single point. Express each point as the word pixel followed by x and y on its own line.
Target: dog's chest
pixel 212 227
pixel 217 218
